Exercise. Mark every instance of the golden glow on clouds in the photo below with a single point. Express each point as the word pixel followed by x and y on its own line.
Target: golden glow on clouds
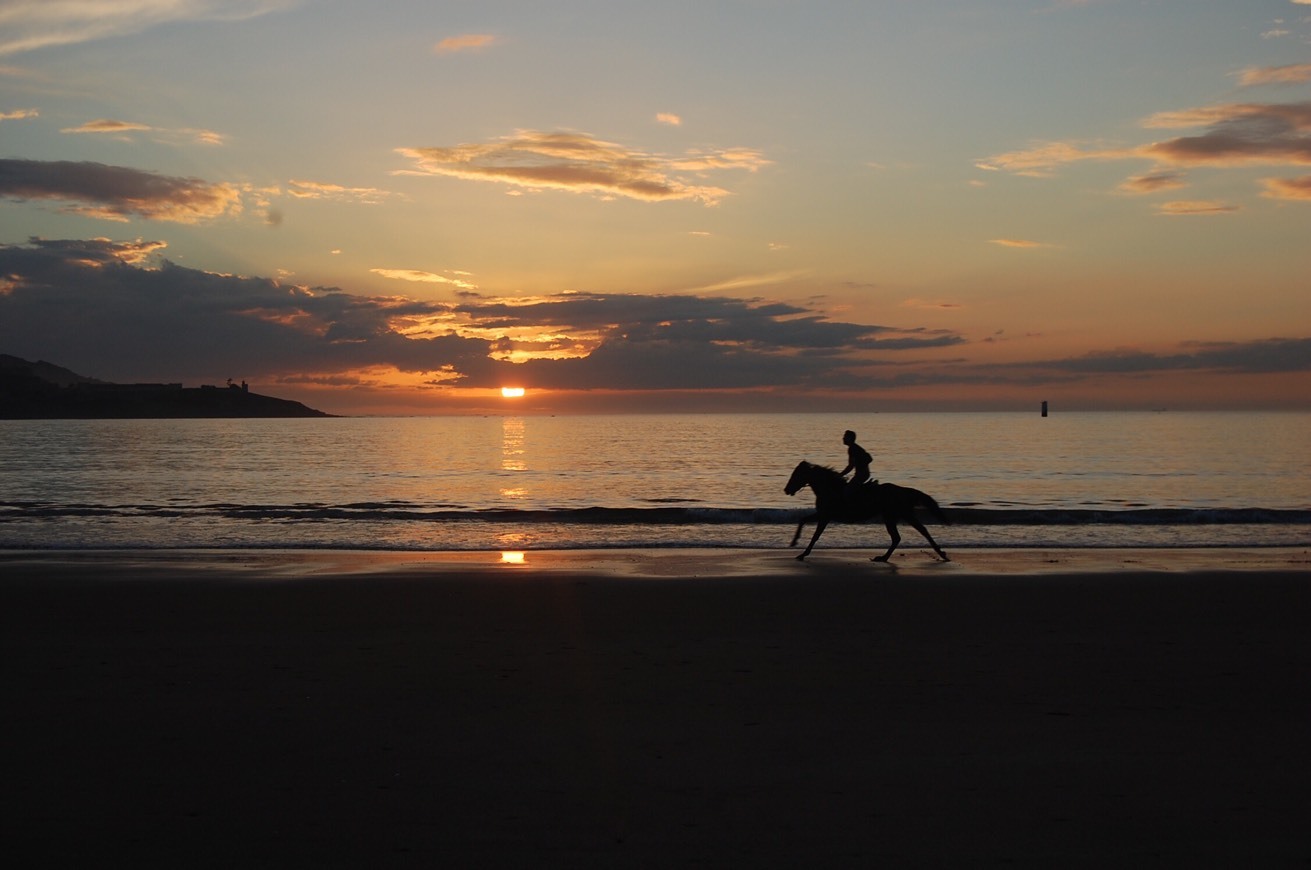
pixel 301 189
pixel 422 277
pixel 581 163
pixel 106 125
pixel 122 129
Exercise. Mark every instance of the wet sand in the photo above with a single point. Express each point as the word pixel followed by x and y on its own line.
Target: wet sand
pixel 657 709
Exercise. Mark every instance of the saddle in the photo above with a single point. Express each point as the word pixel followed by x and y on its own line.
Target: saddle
pixel 858 494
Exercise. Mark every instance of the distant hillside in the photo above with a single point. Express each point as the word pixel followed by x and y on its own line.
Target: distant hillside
pixel 42 390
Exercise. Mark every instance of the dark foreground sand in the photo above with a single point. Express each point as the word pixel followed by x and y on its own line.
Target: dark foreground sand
pixel 675 709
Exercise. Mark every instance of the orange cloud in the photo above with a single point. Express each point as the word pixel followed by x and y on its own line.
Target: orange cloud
pixel 1288 188
pixel 1195 207
pixel 1018 243
pixel 106 125
pixel 1154 182
pixel 669 118
pixel 1042 158
pixel 1293 73
pixel 465 42
pixel 114 127
pixel 581 163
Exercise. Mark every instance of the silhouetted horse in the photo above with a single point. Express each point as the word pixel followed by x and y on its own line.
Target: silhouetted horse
pixel 834 503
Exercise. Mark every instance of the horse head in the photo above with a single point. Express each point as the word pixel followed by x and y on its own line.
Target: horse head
pixel 800 477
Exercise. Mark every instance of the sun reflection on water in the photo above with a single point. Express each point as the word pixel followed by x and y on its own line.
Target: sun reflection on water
pixel 512 444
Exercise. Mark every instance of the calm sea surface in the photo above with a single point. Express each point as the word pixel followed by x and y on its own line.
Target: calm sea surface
pixel 521 483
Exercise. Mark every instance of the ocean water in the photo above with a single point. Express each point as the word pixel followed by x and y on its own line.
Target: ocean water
pixel 524 482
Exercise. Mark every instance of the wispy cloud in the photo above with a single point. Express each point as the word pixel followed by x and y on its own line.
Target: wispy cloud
pixel 465 42
pixel 581 163
pixel 301 189
pixel 1289 74
pixel 117 192
pixel 1288 188
pixel 931 305
pixel 1195 207
pixel 107 125
pixel 18 114
pixel 123 130
pixel 1043 158
pixel 1232 135
pixel 669 118
pixel 455 278
pixel 28 25
pixel 1154 182
pixel 1019 243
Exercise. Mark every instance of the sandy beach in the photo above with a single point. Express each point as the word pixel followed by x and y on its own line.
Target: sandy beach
pixel 713 708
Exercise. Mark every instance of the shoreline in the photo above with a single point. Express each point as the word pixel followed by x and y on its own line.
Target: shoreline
pixel 656 563
pixel 614 709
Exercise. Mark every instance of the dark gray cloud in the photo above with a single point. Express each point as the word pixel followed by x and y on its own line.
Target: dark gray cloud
pixel 1264 356
pixel 117 192
pixel 1237 134
pixel 119 311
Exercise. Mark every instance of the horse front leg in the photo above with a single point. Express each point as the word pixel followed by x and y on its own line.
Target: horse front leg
pixel 820 524
pixel 800 525
pixel 896 539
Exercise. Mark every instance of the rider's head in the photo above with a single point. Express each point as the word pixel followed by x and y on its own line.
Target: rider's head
pixel 848 437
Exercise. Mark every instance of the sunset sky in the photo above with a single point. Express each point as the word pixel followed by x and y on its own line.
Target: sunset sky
pixel 402 207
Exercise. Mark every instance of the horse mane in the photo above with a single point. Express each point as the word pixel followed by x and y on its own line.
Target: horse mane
pixel 829 470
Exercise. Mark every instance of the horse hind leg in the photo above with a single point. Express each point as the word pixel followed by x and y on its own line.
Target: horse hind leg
pixel 896 539
pixel 919 527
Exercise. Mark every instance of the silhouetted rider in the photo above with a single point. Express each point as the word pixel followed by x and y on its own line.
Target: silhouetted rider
pixel 858 460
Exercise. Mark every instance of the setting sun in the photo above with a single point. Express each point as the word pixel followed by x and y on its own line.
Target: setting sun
pixel 511 392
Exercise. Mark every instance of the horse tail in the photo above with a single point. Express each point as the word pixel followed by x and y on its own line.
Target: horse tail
pixel 926 500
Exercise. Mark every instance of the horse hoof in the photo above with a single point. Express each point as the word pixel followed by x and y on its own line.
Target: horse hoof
pixel 879 559
pixel 801 558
